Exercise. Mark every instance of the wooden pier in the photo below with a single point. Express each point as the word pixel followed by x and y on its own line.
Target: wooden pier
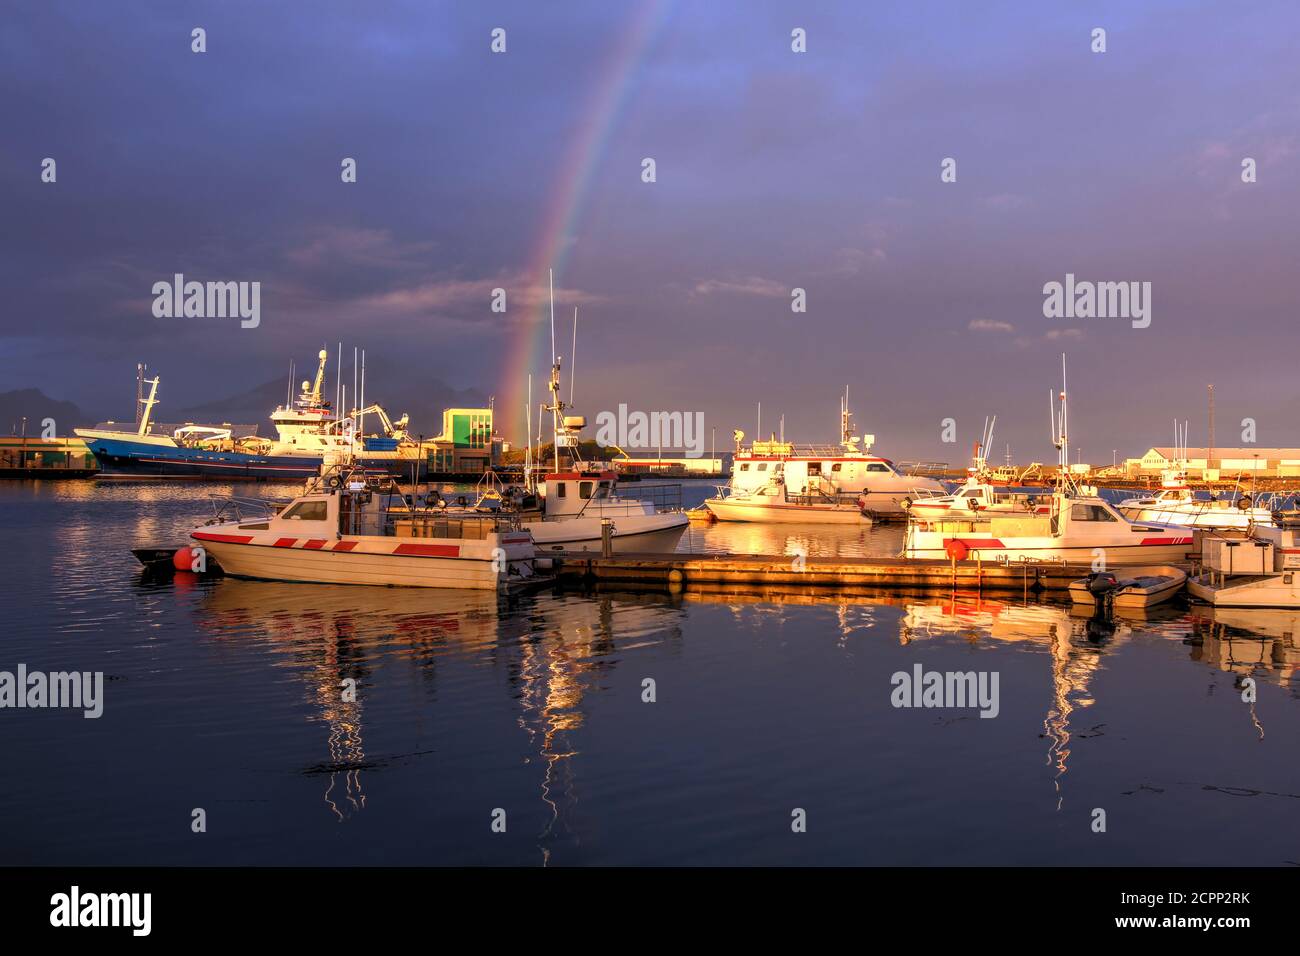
pixel 676 571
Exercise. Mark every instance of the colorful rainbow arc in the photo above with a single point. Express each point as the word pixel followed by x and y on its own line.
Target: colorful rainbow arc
pixel 529 348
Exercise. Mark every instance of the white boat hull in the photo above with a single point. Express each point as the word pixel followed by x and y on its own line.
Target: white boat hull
pixel 1029 549
pixel 405 563
pixel 1261 591
pixel 782 512
pixel 1207 517
pixel 654 533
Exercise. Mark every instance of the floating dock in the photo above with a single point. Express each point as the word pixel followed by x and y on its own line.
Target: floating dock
pixel 673 571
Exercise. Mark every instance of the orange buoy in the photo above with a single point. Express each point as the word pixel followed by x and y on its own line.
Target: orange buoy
pixel 957 549
pixel 183 559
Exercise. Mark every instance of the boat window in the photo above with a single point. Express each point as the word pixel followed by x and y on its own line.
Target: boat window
pixel 814 468
pixel 561 488
pixel 837 466
pixel 307 511
pixel 745 467
pixel 584 489
pixel 604 490
pixel 762 466
pixel 1090 513
pixel 877 466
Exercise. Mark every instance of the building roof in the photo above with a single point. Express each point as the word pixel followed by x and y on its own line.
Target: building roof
pixel 1247 453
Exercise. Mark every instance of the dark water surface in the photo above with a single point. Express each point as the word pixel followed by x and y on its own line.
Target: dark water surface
pixel 225 695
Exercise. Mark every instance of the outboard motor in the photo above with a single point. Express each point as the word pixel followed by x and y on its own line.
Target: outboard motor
pixel 1102 585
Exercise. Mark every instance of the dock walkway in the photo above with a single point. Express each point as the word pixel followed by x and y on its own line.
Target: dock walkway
pixel 671 571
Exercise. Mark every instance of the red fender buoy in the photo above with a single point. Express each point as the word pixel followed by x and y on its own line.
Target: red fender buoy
pixel 956 549
pixel 183 559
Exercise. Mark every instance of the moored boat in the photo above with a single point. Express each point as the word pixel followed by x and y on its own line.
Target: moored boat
pixel 1260 570
pixel 779 481
pixel 307 433
pixel 1135 587
pixel 1078 525
pixel 350 527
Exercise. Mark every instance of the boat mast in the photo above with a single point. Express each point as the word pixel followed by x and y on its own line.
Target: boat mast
pixel 1061 434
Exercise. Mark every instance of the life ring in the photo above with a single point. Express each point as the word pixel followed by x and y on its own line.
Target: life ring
pixel 1244 502
pixel 905 504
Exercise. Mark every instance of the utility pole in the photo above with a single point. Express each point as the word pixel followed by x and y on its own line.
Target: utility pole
pixel 1209 452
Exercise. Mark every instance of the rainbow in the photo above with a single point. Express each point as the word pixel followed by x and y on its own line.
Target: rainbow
pixel 530 348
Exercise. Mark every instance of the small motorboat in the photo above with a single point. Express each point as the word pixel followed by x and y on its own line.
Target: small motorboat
pixel 354 527
pixel 1133 587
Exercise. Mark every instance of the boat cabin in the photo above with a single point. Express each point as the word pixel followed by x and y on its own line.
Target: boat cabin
pixel 571 493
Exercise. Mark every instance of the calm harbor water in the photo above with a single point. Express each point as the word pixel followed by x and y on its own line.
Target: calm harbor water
pixel 225 695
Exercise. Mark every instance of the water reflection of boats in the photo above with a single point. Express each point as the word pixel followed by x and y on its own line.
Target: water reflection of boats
pixel 1076 651
pixel 1245 640
pixel 331 633
pixel 550 650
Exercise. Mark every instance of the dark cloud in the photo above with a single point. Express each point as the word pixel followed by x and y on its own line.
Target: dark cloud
pixel 776 170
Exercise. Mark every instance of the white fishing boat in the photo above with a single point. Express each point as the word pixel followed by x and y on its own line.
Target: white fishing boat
pixel 773 502
pixel 350 527
pixel 1176 502
pixel 980 492
pixel 574 503
pixel 1260 570
pixel 1078 525
pixel 776 480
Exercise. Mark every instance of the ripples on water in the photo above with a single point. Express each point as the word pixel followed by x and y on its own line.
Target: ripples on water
pixel 228 695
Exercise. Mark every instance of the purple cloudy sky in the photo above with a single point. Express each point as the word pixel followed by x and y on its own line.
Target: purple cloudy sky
pixel 775 170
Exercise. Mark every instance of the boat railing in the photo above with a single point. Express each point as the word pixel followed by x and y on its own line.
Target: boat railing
pixel 922 468
pixel 226 508
pixel 432 523
pixel 845 498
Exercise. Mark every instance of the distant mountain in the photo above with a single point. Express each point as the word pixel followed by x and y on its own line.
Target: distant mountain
pixel 35 406
pixel 424 403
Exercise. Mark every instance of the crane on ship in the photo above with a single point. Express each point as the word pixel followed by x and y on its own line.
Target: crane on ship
pixel 392 429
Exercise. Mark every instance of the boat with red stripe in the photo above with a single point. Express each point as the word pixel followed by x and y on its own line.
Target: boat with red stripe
pixel 351 527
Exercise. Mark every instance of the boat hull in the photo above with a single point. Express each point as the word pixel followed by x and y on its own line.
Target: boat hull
pixel 1204 517
pixel 734 509
pixel 652 533
pixel 403 563
pixel 123 458
pixel 1262 591
pixel 1165 550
